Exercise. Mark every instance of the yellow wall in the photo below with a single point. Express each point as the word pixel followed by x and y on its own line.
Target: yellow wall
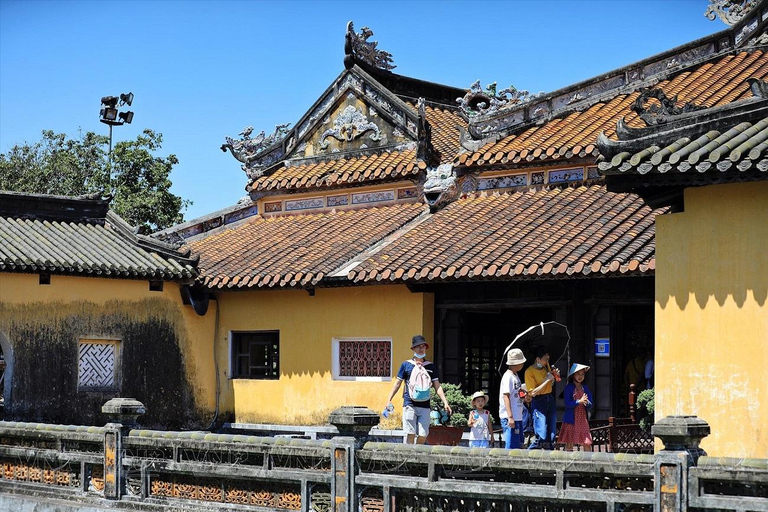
pixel 22 298
pixel 712 316
pixel 306 391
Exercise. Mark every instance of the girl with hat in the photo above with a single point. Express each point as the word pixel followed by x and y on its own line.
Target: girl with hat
pixel 575 429
pixel 480 422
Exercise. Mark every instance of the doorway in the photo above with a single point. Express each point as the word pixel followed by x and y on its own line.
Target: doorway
pixel 482 337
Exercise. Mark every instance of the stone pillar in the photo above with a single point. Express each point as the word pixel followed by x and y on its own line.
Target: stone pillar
pixel 354 421
pixel 123 413
pixel 354 424
pixel 681 436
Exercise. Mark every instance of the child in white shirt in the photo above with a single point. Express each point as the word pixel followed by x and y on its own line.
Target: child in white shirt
pixel 480 422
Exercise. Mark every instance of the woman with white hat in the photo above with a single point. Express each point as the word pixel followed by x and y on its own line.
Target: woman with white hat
pixel 575 428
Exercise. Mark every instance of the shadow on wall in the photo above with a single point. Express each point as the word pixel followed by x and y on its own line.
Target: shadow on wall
pixel 716 251
pixel 708 291
pixel 46 341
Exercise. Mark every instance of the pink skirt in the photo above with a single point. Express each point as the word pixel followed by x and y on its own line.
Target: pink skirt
pixel 578 431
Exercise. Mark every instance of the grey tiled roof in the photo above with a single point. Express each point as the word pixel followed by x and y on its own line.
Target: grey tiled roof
pixel 741 148
pixel 65 235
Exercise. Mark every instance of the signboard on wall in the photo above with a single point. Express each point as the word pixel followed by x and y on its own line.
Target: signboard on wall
pixel 602 347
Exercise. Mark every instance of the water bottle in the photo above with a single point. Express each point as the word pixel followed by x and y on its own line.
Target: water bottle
pixel 388 410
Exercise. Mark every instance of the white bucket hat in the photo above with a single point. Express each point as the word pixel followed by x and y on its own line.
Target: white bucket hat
pixel 575 367
pixel 479 394
pixel 515 356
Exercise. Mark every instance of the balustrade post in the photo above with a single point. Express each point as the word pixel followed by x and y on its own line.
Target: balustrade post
pixel 681 436
pixel 123 414
pixel 354 424
pixel 631 400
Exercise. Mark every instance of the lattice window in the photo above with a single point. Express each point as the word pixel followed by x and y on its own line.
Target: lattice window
pixel 362 358
pixel 256 355
pixel 97 364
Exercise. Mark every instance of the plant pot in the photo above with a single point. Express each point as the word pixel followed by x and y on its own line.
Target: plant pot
pixel 444 435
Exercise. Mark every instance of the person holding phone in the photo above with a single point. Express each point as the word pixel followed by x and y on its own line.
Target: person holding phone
pixel 540 379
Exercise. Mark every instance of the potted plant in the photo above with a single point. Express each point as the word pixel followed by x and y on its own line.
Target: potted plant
pixel 449 433
pixel 646 404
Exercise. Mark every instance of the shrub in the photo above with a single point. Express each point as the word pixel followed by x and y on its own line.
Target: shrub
pixel 460 403
pixel 645 408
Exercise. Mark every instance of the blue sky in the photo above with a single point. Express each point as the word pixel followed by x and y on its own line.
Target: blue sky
pixel 201 70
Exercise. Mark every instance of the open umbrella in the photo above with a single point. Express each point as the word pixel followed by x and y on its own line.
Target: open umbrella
pixel 552 335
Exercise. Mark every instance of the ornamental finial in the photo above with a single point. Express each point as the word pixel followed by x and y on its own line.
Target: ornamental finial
pixel 730 12
pixel 357 46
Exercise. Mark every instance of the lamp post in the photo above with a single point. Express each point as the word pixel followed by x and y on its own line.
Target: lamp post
pixel 109 115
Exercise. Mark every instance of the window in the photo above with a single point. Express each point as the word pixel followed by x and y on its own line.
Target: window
pixel 256 355
pixel 97 364
pixel 362 359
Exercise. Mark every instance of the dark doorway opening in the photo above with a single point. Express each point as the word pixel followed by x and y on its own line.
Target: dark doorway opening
pixel 482 337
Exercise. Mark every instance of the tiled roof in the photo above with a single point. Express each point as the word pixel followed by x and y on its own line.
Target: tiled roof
pixel 575 135
pixel 104 247
pixel 445 136
pixel 294 250
pixel 558 232
pixel 388 165
pixel 742 147
pixel 368 168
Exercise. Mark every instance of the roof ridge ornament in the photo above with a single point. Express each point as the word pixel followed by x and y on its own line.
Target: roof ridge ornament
pixel 730 12
pixel 247 149
pixel 357 46
pixel 661 112
pixel 485 102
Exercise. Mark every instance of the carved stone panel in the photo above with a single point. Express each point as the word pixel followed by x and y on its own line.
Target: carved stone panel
pixel 352 125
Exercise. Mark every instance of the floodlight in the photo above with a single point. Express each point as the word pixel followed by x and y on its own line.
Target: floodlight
pixel 108 114
pixel 126 117
pixel 126 99
pixel 109 101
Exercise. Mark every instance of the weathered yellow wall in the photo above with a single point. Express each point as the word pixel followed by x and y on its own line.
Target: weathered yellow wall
pixel 712 317
pixel 305 391
pixel 23 299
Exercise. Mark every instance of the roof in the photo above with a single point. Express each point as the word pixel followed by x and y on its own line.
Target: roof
pixel 547 233
pixel 741 147
pixel 563 232
pixel 575 134
pixel 294 250
pixel 79 236
pixel 367 168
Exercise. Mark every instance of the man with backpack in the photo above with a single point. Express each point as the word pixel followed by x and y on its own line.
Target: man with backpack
pixel 419 376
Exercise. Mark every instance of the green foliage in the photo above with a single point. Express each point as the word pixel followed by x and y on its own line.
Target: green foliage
pixel 460 403
pixel 138 180
pixel 645 408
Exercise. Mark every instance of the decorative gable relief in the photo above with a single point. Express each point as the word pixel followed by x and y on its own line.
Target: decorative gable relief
pixel 349 125
pixel 354 125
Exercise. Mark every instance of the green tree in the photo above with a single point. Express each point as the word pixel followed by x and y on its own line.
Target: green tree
pixel 138 180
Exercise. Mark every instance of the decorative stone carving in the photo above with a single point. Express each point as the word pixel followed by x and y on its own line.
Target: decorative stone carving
pixel 248 150
pixel 486 102
pixel 350 125
pixel 442 186
pixel 730 12
pixel 425 151
pixel 357 46
pixel 660 113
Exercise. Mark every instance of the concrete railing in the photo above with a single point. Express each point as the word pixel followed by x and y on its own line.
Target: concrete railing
pixel 123 466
